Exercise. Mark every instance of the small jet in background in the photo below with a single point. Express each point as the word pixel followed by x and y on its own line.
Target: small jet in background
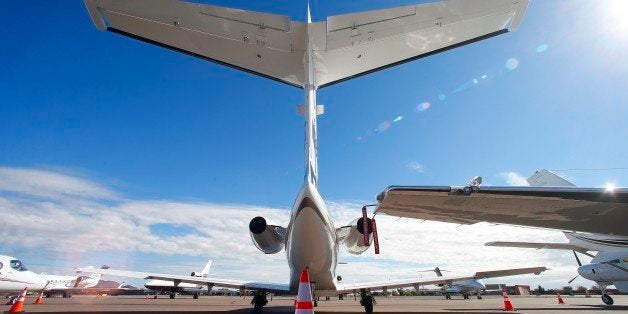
pixel 469 286
pixel 169 285
pixel 14 277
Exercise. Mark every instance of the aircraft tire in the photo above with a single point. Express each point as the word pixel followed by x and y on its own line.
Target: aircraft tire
pixel 172 295
pixel 607 299
pixel 195 296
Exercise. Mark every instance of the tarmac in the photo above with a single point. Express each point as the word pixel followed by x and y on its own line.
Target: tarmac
pixel 223 304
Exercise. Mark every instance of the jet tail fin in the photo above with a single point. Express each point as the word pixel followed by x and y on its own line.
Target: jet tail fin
pixel 205 271
pixel 547 178
pixel 438 272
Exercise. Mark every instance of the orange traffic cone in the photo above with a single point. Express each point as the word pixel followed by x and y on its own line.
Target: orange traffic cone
pixel 40 298
pixel 303 304
pixel 507 304
pixel 560 300
pixel 19 304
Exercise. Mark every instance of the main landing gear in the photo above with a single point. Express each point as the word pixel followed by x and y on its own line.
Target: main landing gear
pixel 367 301
pixel 195 295
pixel 607 299
pixel 172 295
pixel 259 301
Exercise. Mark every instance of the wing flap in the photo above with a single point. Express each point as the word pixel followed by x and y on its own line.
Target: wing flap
pixel 581 209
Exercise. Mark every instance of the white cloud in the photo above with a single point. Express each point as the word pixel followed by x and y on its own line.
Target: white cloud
pixel 513 178
pixel 78 229
pixel 415 167
pixel 36 182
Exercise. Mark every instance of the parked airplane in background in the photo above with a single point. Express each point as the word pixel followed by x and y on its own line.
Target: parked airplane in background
pixel 14 277
pixel 169 285
pixel 464 288
pixel 66 285
pixel 310 56
pixel 608 267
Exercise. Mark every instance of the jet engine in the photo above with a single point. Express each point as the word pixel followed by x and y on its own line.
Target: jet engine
pixel 352 236
pixel 267 238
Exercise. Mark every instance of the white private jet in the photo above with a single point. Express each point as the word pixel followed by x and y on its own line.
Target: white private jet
pixel 169 285
pixel 608 267
pixel 309 55
pixel 14 277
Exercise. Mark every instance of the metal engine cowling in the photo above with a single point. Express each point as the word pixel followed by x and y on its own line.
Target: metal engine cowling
pixel 267 238
pixel 353 237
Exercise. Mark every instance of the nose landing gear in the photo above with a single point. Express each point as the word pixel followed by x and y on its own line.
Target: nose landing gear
pixel 259 301
pixel 367 301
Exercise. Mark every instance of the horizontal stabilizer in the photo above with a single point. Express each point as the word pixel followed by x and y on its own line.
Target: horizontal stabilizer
pixel 338 49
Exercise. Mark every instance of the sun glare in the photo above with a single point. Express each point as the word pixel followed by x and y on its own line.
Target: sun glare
pixel 617 10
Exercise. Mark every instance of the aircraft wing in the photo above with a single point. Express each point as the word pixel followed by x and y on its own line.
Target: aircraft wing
pixel 226 283
pixel 439 280
pixel 268 45
pixel 538 245
pixel 567 208
pixel 351 45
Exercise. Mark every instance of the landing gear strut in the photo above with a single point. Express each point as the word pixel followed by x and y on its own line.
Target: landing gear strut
pixel 367 301
pixel 195 296
pixel 259 301
pixel 172 295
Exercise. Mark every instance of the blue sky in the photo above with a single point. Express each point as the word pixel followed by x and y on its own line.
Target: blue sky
pixel 145 123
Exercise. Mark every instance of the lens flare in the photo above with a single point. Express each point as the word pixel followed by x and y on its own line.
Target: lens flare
pixel 397 119
pixel 384 126
pixel 512 64
pixel 541 48
pixel 422 107
pixel 441 97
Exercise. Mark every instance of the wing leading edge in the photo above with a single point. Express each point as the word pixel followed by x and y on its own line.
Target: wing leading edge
pixel 206 281
pixel 440 280
pixel 594 210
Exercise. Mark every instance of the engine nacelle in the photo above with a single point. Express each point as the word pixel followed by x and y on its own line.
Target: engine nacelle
pixel 267 238
pixel 353 236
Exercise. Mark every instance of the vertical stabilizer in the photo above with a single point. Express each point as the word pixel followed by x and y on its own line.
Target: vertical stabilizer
pixel 547 178
pixel 206 269
pixel 438 272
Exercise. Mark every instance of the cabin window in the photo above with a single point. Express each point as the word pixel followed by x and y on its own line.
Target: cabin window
pixel 17 265
pixel 615 261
